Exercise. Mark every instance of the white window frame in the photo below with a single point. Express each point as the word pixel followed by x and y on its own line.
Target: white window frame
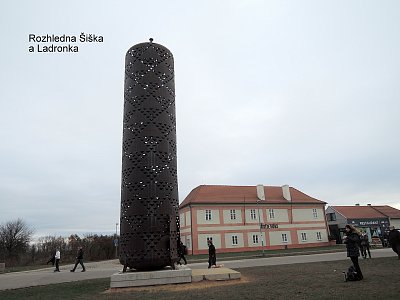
pixel 255 238
pixel 319 236
pixel 208 215
pixel 271 213
pixel 253 214
pixel 315 213
pixel 284 238
pixel 234 240
pixel 303 236
pixel 233 214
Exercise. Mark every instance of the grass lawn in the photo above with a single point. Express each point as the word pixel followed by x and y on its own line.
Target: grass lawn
pixel 299 281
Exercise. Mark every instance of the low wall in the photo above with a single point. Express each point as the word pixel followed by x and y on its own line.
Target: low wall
pixel 2 267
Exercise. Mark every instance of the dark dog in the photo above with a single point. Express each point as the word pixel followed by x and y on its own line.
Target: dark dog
pixel 351 274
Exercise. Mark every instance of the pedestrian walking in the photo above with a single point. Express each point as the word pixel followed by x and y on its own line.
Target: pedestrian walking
pixel 212 254
pixel 352 241
pixel 394 240
pixel 79 260
pixel 52 259
pixel 365 246
pixel 57 257
pixel 181 252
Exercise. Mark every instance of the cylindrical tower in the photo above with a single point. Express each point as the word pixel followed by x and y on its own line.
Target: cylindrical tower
pixel 149 193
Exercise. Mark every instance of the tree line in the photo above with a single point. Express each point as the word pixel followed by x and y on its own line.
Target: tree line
pixel 17 247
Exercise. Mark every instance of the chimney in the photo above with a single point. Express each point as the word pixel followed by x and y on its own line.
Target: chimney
pixel 260 192
pixel 286 192
pixel 357 204
pixel 369 204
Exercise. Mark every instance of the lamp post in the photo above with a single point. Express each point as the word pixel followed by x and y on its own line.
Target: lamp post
pixel 116 240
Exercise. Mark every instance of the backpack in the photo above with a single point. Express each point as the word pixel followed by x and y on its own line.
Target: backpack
pixel 351 274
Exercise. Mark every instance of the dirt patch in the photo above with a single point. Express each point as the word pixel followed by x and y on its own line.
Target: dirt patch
pixel 205 284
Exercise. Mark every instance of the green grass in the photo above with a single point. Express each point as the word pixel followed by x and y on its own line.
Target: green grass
pixel 73 290
pixel 322 280
pixel 32 267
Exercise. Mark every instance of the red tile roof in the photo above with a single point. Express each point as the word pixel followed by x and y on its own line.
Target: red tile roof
pixel 219 194
pixel 358 212
pixel 389 211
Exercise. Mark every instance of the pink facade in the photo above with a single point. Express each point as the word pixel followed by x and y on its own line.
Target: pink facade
pixel 233 223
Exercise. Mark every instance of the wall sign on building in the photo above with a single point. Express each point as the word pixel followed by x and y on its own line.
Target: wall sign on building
pixel 370 222
pixel 268 226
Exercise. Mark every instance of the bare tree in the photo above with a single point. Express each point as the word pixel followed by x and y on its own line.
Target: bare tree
pixel 14 239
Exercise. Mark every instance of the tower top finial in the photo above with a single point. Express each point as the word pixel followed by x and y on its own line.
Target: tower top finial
pixel 151 40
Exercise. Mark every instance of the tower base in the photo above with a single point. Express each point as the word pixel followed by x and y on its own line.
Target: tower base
pixel 143 278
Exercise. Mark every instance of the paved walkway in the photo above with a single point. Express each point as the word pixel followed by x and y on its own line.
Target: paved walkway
pixel 107 268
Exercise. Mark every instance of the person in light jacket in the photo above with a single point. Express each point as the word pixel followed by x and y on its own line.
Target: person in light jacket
pixel 57 257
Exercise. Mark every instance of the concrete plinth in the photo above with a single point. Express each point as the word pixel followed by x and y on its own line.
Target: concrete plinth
pixel 215 274
pixel 2 267
pixel 144 278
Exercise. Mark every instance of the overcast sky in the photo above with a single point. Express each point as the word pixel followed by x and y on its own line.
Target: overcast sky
pixel 305 93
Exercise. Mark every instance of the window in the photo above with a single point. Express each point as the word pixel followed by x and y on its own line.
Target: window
pixel 304 236
pixel 253 214
pixel 271 213
pixel 284 237
pixel 315 214
pixel 331 217
pixel 188 243
pixel 255 238
pixel 234 240
pixel 208 214
pixel 319 237
pixel 233 214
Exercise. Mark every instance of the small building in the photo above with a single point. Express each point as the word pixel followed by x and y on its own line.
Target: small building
pixel 374 220
pixel 392 213
pixel 236 219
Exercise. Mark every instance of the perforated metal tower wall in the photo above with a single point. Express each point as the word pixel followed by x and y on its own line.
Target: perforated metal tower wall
pixel 149 193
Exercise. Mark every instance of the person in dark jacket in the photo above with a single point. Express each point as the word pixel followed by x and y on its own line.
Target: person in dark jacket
pixel 181 252
pixel 394 240
pixel 79 260
pixel 52 259
pixel 352 241
pixel 365 246
pixel 212 254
